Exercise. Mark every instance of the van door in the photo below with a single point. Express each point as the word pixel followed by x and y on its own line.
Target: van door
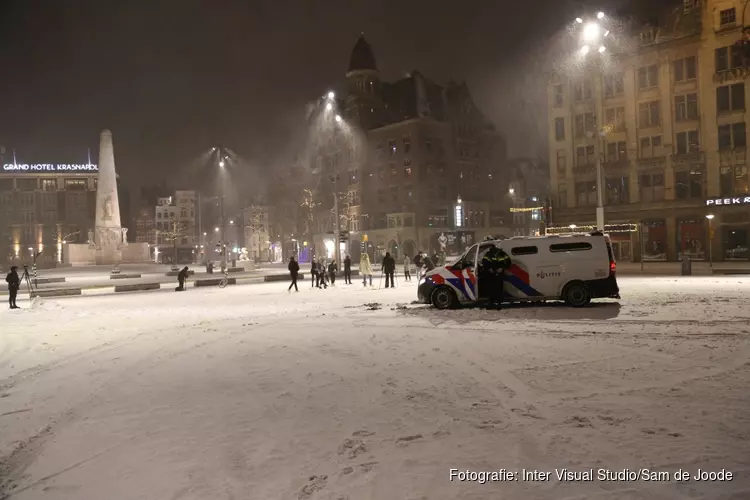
pixel 481 250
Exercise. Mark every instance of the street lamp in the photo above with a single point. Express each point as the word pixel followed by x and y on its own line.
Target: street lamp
pixel 593 34
pixel 710 218
pixel 338 118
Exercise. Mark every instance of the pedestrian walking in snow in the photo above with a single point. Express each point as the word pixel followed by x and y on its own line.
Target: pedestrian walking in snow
pixel 181 278
pixel 418 264
pixel 14 283
pixel 407 265
pixel 332 270
pixel 313 273
pixel 427 264
pixel 348 270
pixel 389 267
pixel 365 269
pixel 321 268
pixel 293 272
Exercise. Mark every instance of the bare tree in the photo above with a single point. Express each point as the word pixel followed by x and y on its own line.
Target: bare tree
pixel 177 230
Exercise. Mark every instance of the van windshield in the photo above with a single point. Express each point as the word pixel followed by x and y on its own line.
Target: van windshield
pixel 466 260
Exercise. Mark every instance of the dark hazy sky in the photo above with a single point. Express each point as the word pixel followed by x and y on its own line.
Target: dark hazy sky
pixel 171 78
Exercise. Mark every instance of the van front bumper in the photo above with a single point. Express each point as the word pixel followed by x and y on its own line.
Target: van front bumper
pixel 424 290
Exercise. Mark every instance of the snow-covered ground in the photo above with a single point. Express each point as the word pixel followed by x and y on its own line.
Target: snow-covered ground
pixel 250 393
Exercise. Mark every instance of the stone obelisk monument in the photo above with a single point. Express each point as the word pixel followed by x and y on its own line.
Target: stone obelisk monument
pixel 108 232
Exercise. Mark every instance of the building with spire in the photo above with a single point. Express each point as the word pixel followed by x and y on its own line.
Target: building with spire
pixel 411 160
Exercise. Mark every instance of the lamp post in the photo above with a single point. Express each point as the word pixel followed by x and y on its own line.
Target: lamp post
pixel 710 218
pixel 593 34
pixel 63 242
pixel 222 163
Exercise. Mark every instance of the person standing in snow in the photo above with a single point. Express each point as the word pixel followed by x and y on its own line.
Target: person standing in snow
pixel 14 283
pixel 321 269
pixel 293 271
pixel 427 263
pixel 418 264
pixel 407 264
pixel 313 272
pixel 389 267
pixel 348 270
pixel 181 278
pixel 332 270
pixel 365 268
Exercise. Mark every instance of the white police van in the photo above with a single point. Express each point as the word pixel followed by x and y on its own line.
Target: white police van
pixel 574 268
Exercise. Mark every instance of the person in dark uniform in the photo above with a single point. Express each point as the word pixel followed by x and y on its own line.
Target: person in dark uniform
pixel 313 272
pixel 293 271
pixel 491 272
pixel 348 270
pixel 181 277
pixel 389 268
pixel 14 283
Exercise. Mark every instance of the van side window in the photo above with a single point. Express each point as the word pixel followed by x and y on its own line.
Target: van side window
pixel 524 250
pixel 570 247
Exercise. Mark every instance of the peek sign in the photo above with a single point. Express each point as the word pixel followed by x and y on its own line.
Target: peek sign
pixel 50 167
pixel 739 200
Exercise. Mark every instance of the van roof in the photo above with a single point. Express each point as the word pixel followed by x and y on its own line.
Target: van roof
pixel 552 236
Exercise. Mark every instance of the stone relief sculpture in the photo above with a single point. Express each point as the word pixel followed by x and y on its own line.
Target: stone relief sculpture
pixel 91 242
pixel 124 236
pixel 107 208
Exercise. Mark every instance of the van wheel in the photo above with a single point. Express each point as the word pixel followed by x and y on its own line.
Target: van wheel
pixel 576 295
pixel 444 298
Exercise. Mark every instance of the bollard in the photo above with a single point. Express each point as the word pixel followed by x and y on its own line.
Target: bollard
pixel 687 266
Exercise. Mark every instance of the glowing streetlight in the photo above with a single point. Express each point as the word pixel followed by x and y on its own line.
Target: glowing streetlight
pixel 602 48
pixel 216 229
pixel 584 50
pixel 331 95
pixel 600 15
pixel 591 32
pixel 511 191
pixel 329 106
pixel 221 163
pixel 710 218
pixel 572 226
pixel 579 20
pixel 338 118
pixel 231 222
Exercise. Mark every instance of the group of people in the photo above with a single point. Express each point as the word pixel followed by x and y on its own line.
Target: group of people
pixel 324 273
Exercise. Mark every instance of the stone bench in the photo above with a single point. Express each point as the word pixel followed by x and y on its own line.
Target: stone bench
pixel 731 271
pixel 175 273
pixel 235 270
pixel 282 277
pixel 137 287
pixel 42 281
pixel 60 292
pixel 123 276
pixel 214 282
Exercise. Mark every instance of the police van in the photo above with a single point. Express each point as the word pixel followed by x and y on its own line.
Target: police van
pixel 574 268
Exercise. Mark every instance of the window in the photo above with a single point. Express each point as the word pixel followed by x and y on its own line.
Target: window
pixel 407 172
pixel 524 250
pixel 394 170
pixel 49 201
pixel 428 144
pixel 562 196
pixel 558 96
pixel 381 195
pixel 585 193
pixel 650 146
pixel 49 185
pixel 651 187
pixel 649 114
pixel 648 77
pixel 614 85
pixel 392 147
pixel 26 200
pixel 615 118
pixel 394 193
pixel 616 151
pixel 582 91
pixel 684 69
pixel 570 247
pixel 585 155
pixel 727 58
pixel 26 184
pixel 727 16
pixel 75 184
pixel 584 124
pixel 734 180
pixel 686 107
pixel 379 151
pixel 618 190
pixel 687 142
pixel 407 144
pixel 730 98
pixel 560 129
pixel 561 160
pixel 28 217
pixel 688 184
pixel 732 136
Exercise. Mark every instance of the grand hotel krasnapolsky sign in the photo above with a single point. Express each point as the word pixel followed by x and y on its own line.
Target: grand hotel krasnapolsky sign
pixel 735 200
pixel 50 167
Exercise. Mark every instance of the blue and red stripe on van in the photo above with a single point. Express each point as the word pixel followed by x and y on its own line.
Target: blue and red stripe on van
pixel 519 278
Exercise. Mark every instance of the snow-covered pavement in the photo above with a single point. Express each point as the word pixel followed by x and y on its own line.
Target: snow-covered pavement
pixel 251 393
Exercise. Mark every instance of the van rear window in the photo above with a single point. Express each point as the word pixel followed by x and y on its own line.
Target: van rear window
pixel 524 250
pixel 570 247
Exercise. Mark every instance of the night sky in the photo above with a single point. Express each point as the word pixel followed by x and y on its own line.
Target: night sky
pixel 171 78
